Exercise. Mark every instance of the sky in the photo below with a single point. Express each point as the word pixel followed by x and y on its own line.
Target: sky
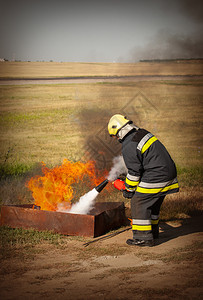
pixel 100 31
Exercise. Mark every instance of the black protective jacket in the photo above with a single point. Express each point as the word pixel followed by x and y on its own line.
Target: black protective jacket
pixel 151 170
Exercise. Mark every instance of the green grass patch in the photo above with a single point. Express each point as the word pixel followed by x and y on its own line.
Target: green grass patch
pixel 14 169
pixel 50 116
pixel 190 176
pixel 10 237
pixel 26 243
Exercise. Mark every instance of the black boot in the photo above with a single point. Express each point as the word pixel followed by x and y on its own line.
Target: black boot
pixel 141 243
pixel 155 231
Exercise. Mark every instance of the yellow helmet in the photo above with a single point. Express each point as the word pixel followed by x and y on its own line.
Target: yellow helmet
pixel 116 123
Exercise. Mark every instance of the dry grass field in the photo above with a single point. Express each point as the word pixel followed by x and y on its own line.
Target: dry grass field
pixel 50 122
pixel 66 69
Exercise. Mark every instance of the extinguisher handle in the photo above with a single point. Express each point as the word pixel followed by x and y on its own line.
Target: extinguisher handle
pixel 119 185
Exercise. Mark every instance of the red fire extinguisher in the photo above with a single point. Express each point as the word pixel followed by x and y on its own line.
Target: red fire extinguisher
pixel 119 184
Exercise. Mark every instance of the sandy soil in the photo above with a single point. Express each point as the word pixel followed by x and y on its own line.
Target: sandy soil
pixel 110 269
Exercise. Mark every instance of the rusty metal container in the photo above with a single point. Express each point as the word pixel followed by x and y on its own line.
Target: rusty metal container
pixel 103 217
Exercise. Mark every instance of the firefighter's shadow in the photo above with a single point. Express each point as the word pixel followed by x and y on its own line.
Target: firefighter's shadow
pixel 175 229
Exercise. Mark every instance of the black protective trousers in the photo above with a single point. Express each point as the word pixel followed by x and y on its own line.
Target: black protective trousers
pixel 145 216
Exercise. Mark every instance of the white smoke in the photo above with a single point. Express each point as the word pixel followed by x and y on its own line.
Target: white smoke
pixel 118 168
pixel 85 203
pixel 83 206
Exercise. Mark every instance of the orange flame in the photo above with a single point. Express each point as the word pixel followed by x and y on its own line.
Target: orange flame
pixel 56 186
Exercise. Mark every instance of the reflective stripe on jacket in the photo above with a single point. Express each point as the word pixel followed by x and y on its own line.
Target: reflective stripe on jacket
pixel 151 169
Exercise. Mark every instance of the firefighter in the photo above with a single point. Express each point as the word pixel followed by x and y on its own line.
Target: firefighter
pixel 151 176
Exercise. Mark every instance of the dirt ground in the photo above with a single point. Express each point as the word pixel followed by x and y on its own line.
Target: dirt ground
pixel 110 269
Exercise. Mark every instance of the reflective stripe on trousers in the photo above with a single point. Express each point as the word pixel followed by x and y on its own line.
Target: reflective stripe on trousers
pixel 141 225
pixel 145 225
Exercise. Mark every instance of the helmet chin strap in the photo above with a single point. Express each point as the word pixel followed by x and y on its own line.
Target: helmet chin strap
pixel 125 129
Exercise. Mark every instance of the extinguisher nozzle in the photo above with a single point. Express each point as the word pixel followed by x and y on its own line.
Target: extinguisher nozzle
pixel 102 185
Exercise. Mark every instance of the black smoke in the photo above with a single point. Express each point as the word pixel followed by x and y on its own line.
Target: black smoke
pixel 98 145
pixel 167 45
pixel 192 9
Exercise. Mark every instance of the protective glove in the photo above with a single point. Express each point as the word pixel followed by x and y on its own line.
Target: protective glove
pixel 128 194
pixel 122 177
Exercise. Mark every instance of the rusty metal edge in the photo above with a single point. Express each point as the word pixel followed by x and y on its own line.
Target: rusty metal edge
pixel 63 223
pixel 111 216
